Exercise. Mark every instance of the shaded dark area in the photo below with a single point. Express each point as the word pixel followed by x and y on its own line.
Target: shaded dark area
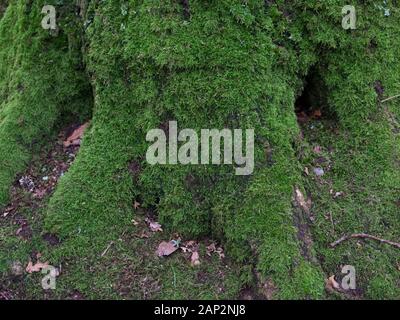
pixel 3 7
pixel 312 102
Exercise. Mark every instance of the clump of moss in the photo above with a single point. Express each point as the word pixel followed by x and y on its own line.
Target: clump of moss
pixel 217 64
pixel 221 68
pixel 41 78
pixel 360 69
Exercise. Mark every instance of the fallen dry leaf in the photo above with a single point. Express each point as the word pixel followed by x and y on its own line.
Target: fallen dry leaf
pixel 191 243
pixel 76 136
pixel 7 211
pixel 316 113
pixel 37 267
pixel 195 259
pixel 136 205
pixel 212 248
pixel 166 248
pixel 331 284
pixel 154 225
pixel 185 249
pixel 143 235
pixel 317 149
pixel 221 253
pixel 189 246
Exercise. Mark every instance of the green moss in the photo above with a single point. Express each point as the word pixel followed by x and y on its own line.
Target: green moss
pixel 41 78
pixel 363 161
pixel 383 287
pixel 222 64
pixel 219 66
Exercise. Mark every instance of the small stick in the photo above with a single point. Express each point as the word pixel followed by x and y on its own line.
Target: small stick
pixel 391 98
pixel 108 247
pixel 333 224
pixel 363 236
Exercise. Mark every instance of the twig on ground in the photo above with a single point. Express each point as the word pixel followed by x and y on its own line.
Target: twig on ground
pixel 332 222
pixel 108 247
pixel 363 236
pixel 391 98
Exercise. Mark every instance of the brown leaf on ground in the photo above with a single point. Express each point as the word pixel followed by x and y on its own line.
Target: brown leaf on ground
pixel 8 210
pixel 143 235
pixel 220 253
pixel 76 136
pixel 136 205
pixel 316 113
pixel 195 259
pixel 36 267
pixel 317 149
pixel 189 246
pixel 166 248
pixel 154 225
pixel 212 248
pixel 191 243
pixel 331 284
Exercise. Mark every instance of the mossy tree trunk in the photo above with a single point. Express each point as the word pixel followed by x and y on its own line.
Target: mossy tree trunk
pixel 204 64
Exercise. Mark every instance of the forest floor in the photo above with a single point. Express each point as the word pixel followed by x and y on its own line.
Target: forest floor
pixel 130 268
pixel 126 268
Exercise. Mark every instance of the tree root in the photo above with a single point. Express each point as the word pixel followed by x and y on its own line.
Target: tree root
pixel 363 236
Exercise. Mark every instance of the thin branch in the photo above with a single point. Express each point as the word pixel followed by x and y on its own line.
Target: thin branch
pixel 390 98
pixel 108 247
pixel 332 222
pixel 363 236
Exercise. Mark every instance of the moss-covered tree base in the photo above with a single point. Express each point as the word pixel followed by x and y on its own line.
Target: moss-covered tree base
pixel 215 64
